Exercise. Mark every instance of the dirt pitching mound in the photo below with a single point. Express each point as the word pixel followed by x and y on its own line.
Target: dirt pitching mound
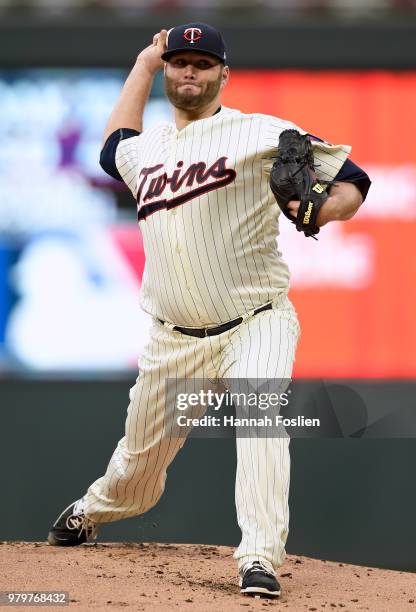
pixel 193 578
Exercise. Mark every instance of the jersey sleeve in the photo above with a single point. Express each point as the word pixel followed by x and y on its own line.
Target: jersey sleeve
pixel 119 157
pixel 329 158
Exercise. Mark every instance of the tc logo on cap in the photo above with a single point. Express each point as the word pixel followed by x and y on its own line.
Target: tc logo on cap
pixel 192 34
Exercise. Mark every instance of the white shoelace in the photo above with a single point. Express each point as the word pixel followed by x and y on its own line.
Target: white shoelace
pixel 81 522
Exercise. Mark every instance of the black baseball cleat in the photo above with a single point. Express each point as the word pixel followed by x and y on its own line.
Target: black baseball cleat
pixel 257 578
pixel 72 527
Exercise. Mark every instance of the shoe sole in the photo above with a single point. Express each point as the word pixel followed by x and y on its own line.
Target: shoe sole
pixel 259 591
pixel 53 541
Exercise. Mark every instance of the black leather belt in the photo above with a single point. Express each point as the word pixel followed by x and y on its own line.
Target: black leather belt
pixel 214 331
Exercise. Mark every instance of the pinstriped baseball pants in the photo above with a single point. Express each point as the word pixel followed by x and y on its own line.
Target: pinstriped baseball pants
pixel 262 346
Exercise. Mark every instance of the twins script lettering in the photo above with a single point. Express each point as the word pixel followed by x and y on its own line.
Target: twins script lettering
pixel 151 186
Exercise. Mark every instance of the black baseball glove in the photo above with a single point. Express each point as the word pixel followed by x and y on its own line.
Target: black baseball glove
pixel 293 177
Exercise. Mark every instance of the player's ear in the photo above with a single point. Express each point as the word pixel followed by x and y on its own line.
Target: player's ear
pixel 225 76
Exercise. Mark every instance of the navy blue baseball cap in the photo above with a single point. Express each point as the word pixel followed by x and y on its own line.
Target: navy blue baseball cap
pixel 195 37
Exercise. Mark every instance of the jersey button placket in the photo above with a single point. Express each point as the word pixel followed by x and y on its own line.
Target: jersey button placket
pixel 177 251
pixel 180 255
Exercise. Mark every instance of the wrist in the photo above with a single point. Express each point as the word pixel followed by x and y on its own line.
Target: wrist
pixel 144 69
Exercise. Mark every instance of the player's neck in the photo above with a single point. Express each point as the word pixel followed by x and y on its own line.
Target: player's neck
pixel 184 117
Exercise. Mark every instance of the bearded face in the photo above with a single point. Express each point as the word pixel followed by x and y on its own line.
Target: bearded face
pixel 193 80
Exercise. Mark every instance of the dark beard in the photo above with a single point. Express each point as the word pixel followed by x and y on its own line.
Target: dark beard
pixel 189 101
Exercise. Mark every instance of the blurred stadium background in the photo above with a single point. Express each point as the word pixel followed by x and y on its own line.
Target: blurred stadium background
pixel 71 256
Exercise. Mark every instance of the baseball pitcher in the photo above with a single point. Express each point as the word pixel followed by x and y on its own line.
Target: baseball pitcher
pixel 209 188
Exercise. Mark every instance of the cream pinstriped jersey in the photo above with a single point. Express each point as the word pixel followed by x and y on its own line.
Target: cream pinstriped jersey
pixel 207 215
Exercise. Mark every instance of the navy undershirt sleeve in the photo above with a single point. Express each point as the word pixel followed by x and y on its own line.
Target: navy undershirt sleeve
pixel 351 173
pixel 108 152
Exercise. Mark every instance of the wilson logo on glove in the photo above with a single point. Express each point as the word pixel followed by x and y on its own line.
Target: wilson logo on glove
pixel 308 213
